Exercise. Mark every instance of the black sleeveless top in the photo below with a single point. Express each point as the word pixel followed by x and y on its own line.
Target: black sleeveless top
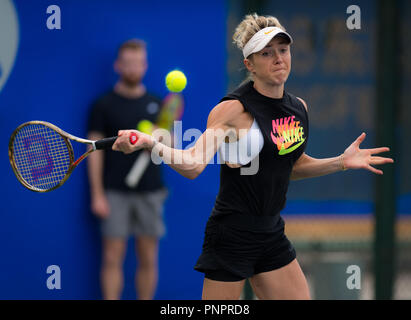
pixel 284 125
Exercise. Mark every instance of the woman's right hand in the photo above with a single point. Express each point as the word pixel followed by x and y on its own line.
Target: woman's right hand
pixel 123 144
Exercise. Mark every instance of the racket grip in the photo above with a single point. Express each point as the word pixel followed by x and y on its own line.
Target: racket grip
pixel 105 143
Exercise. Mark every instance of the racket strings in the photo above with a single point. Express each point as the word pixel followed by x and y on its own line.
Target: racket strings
pixel 41 156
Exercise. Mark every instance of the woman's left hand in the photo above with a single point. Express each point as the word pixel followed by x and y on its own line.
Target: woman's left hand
pixel 356 158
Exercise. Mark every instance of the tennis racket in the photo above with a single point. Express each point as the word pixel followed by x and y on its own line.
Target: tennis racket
pixel 42 156
pixel 172 109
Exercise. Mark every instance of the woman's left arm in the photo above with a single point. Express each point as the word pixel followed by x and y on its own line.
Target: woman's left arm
pixel 352 158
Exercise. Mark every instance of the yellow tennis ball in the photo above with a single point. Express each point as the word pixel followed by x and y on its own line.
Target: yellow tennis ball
pixel 176 81
pixel 145 126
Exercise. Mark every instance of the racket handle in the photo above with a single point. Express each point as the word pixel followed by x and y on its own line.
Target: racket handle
pixel 137 170
pixel 105 143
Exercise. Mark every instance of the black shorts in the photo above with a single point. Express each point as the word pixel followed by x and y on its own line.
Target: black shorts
pixel 232 253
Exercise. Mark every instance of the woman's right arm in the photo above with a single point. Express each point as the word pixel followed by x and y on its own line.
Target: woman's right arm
pixel 190 162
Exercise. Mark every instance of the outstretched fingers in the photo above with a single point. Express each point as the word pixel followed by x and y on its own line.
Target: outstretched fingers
pixel 376 171
pixel 380 160
pixel 379 150
pixel 360 139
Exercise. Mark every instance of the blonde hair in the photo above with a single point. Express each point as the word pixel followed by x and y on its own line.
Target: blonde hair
pixel 251 24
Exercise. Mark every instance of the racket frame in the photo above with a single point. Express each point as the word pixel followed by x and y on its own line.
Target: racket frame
pixel 66 137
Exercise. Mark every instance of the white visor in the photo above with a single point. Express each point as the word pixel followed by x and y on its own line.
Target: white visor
pixel 262 38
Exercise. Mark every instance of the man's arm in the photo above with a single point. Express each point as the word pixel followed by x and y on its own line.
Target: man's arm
pixel 95 163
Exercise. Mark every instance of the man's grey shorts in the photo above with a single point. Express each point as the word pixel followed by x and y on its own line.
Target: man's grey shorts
pixel 138 214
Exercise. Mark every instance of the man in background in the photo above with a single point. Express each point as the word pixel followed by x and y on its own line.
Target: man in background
pixel 125 211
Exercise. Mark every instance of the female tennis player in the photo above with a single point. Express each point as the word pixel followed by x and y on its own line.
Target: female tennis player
pixel 244 236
